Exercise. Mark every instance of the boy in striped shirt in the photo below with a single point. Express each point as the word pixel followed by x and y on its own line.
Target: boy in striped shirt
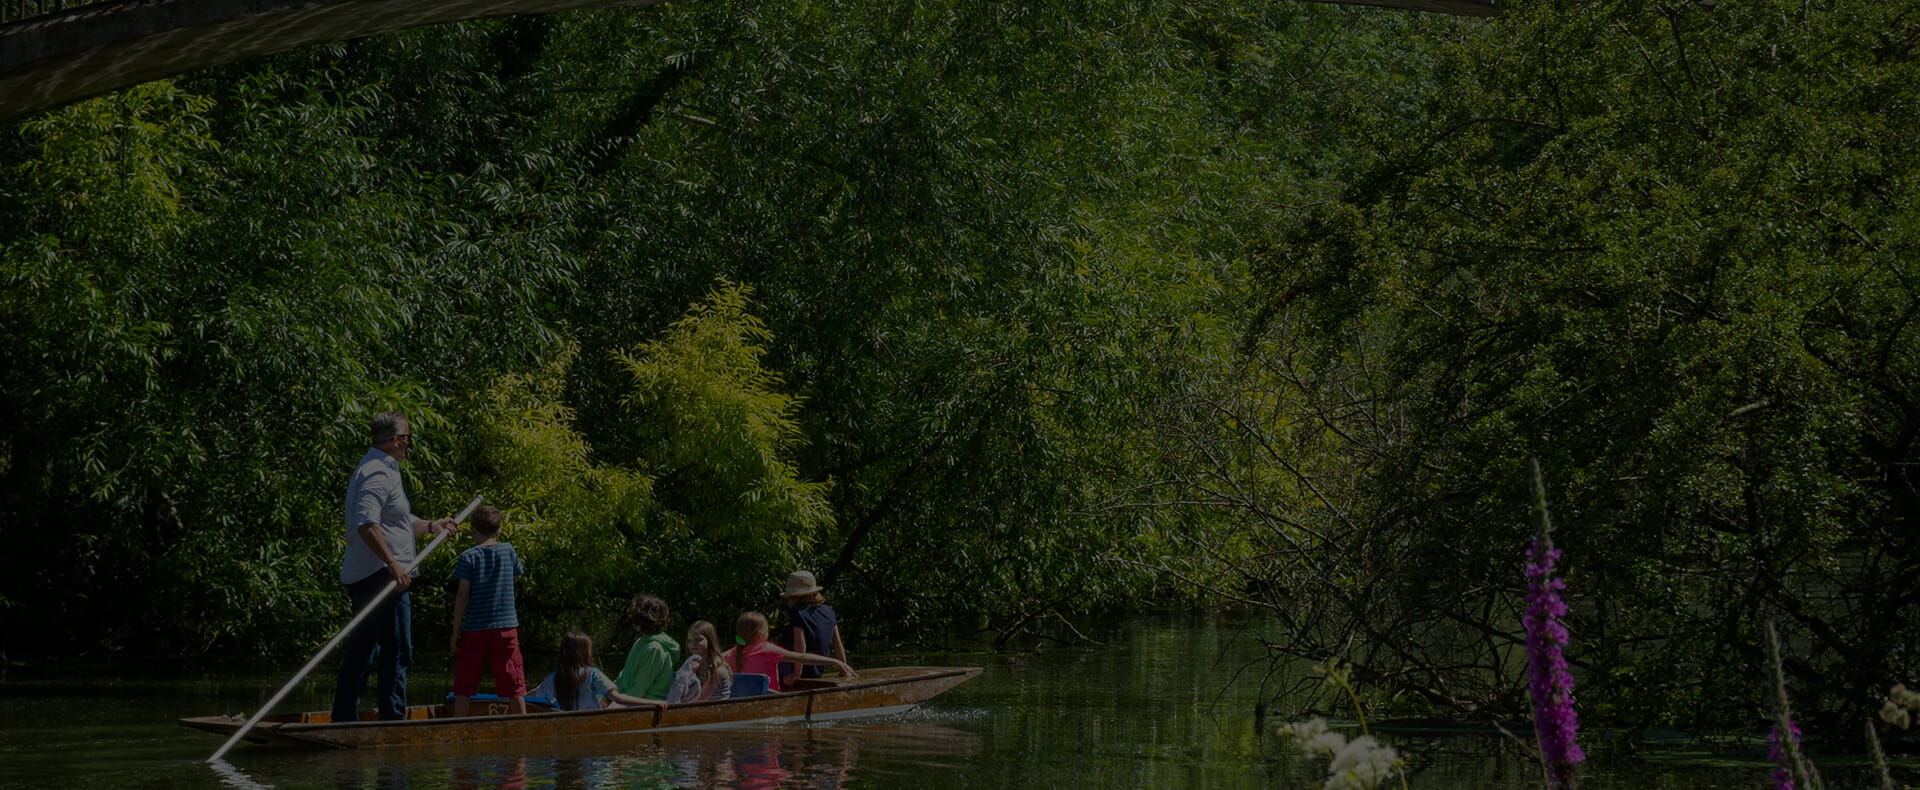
pixel 485 629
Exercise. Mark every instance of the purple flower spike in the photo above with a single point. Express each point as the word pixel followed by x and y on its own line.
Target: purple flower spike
pixel 1554 720
pixel 1776 751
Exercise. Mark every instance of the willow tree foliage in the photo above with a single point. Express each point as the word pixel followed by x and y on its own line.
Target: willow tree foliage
pixel 981 240
pixel 1666 248
pixel 704 502
pixel 206 300
pixel 716 426
pixel 1054 306
pixel 972 306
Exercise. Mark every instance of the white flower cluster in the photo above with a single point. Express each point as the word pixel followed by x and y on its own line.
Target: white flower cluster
pixel 1360 764
pixel 1898 709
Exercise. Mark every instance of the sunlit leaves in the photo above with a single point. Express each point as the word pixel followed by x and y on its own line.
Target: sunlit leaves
pixel 112 166
pixel 205 302
pixel 714 423
pixel 984 244
pixel 564 509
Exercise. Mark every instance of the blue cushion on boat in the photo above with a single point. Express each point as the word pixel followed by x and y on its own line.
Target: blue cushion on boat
pixel 749 684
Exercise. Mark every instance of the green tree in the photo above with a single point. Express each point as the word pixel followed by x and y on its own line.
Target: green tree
pixel 985 242
pixel 708 418
pixel 1677 269
pixel 204 308
pixel 704 500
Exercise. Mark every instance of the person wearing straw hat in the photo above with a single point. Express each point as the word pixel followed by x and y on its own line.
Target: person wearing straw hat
pixel 815 628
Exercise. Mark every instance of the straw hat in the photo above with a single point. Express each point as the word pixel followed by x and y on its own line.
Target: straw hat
pixel 801 583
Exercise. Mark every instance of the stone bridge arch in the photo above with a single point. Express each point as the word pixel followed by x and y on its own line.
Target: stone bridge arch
pixel 55 52
pixel 72 51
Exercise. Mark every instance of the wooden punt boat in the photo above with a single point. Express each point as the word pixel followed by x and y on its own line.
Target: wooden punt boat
pixel 878 691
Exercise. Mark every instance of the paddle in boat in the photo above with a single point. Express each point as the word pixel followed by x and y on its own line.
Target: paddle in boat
pixel 878 691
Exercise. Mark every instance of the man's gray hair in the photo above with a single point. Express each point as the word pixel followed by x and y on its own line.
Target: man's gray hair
pixel 386 426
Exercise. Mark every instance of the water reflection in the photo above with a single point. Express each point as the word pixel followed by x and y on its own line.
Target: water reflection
pixel 816 757
pixel 507 773
pixel 1146 707
pixel 382 778
pixel 233 777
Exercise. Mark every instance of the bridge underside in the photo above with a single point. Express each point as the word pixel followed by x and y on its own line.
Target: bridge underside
pixel 54 60
pixel 1453 7
pixel 59 59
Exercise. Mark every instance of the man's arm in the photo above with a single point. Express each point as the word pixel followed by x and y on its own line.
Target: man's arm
pixel 421 526
pixel 371 534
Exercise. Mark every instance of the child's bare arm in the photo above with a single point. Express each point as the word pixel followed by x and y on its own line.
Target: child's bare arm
pixel 629 699
pixel 460 612
pixel 820 661
pixel 799 640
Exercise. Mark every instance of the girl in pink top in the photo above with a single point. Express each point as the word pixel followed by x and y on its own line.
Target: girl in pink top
pixel 758 656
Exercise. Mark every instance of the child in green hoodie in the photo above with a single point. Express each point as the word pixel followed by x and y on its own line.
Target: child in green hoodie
pixel 649 670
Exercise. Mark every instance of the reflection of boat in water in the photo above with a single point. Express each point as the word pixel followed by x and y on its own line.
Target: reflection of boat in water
pixel 831 754
pixel 810 757
pixel 878 691
pixel 807 757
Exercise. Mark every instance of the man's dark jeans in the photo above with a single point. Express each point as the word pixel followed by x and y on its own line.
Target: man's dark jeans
pixel 385 636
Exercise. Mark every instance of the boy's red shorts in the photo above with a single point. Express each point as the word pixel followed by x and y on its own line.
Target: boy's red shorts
pixel 496 647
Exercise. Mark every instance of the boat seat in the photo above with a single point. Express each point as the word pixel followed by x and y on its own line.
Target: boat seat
pixel 750 684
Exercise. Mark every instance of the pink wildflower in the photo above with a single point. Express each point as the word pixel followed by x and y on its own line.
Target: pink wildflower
pixel 1554 720
pixel 1776 751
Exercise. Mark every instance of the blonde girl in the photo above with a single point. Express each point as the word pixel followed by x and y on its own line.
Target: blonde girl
pixel 757 655
pixel 704 675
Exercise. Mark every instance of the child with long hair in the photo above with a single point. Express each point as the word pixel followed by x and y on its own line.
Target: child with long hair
pixel 704 675
pixel 757 655
pixel 579 684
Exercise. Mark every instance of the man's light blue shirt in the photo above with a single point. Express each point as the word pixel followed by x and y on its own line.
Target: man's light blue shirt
pixel 375 496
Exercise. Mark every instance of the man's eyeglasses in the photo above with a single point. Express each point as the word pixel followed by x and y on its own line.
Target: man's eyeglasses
pixel 406 436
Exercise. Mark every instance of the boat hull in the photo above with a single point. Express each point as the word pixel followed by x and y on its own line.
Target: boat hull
pixel 877 692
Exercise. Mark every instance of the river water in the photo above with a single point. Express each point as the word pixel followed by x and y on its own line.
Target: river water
pixel 1150 705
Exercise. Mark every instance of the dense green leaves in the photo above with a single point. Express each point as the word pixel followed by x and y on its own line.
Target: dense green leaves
pixel 714 423
pixel 1676 268
pixel 212 285
pixel 1024 311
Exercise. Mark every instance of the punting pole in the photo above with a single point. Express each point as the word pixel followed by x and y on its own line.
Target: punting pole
pixel 335 641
